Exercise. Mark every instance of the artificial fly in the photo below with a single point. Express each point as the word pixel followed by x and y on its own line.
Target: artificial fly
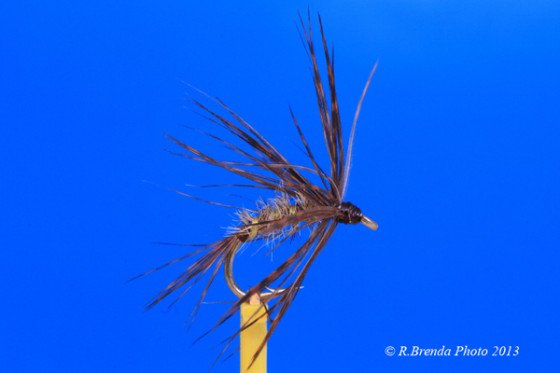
pixel 299 205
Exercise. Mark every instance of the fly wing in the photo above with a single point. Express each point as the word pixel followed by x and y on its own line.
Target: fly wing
pixel 329 113
pixel 264 164
pixel 287 177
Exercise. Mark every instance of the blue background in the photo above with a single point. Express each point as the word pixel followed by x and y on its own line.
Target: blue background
pixel 456 157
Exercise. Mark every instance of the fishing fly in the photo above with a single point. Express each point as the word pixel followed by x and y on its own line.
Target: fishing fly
pixel 298 206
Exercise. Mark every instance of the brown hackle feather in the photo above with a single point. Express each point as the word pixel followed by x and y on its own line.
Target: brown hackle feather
pixel 299 203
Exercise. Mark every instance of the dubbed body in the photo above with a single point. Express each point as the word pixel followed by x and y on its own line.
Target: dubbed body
pixel 282 213
pixel 281 218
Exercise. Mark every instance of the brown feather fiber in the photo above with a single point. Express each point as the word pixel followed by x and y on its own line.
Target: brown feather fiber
pixel 298 203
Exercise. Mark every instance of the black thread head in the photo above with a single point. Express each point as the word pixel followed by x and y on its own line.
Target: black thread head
pixel 349 213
